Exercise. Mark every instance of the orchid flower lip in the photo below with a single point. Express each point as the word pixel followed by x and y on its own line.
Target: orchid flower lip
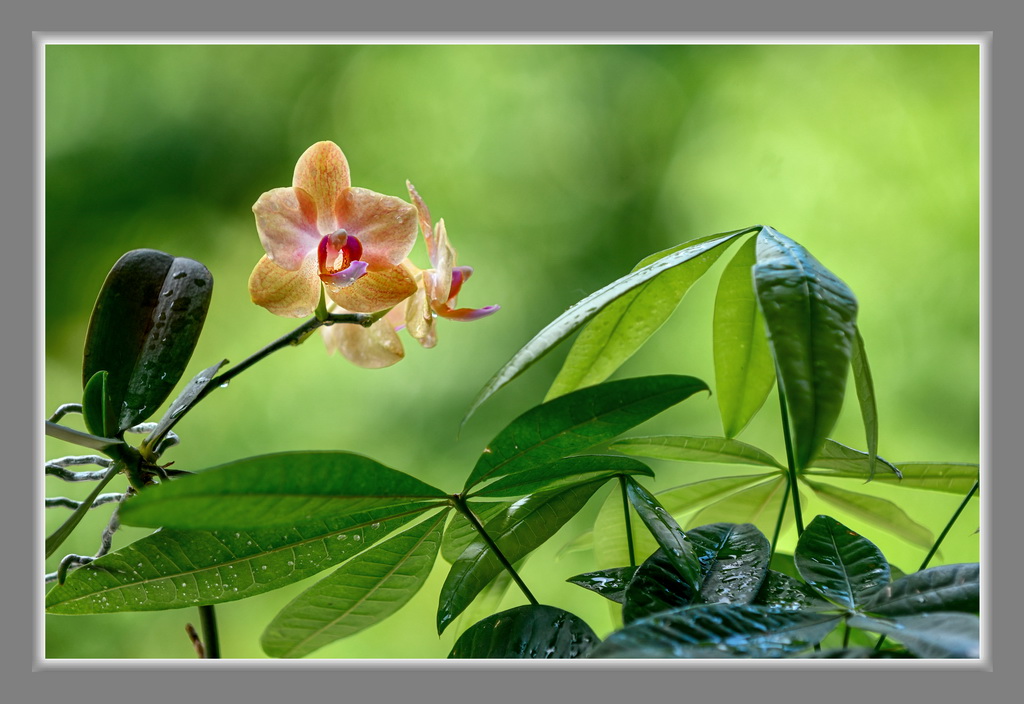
pixel 347 275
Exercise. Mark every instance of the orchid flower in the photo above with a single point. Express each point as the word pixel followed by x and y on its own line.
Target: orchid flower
pixel 439 286
pixel 323 233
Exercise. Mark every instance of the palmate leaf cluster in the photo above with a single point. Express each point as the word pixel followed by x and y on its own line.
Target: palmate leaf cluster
pixel 712 583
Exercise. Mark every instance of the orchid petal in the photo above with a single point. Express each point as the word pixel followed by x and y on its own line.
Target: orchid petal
pixel 292 294
pixel 419 318
pixel 425 224
pixel 371 348
pixel 322 171
pixel 286 223
pixel 385 225
pixel 466 314
pixel 439 283
pixel 374 291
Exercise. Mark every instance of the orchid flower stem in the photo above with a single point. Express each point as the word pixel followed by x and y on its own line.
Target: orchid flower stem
pixel 463 507
pixel 629 528
pixel 790 462
pixel 208 620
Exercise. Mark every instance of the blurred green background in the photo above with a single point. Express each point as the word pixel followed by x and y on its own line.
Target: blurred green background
pixel 556 168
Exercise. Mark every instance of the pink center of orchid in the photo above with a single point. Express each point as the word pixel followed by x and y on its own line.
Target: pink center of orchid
pixel 338 255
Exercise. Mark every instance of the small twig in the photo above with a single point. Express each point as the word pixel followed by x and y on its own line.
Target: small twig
pixel 463 507
pixel 59 468
pixel 63 410
pixel 65 502
pixel 72 560
pixel 196 642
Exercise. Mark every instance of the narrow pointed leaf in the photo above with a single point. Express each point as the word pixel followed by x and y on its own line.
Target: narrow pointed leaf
pixel 563 472
pixel 189 396
pixel 276 489
pixel 609 536
pixel 882 514
pixel 666 531
pixel 689 448
pixel 759 505
pixel 77 437
pixel 618 331
pixel 840 564
pixel 571 320
pixel 866 397
pixel 739 555
pixel 460 532
pixel 362 592
pixel 174 569
pixel 578 421
pixel 690 498
pixel 931 635
pixel 744 370
pixel 144 328
pixel 944 588
pixel 810 316
pixel 781 592
pixel 526 525
pixel 719 630
pixel 530 632
pixel 57 538
pixel 846 461
pixel 945 477
pixel 610 583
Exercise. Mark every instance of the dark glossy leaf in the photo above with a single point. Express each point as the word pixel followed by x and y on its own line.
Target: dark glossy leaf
pixel 57 538
pixel 782 592
pixel 277 489
pixel 189 396
pixel 618 331
pixel 944 588
pixel 144 328
pixel 656 587
pixel 811 319
pixel 666 531
pixel 882 514
pixel 845 461
pixel 739 555
pixel 840 564
pixel 866 397
pixel 578 421
pixel 460 532
pixel 719 630
pixel 532 632
pixel 569 321
pixel 744 370
pixel 932 635
pixel 517 532
pixel 362 592
pixel 564 472
pixel 97 410
pixel 611 583
pixel 856 653
pixel 173 569
pixel 690 448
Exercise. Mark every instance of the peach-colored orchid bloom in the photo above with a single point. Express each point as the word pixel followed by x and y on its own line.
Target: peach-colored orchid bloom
pixel 322 231
pixel 374 347
pixel 439 286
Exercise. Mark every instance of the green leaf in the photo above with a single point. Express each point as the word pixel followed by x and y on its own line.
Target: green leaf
pixel 759 505
pixel 611 583
pixel 689 448
pixel 666 531
pixel 107 446
pixel 689 498
pixel 532 632
pixel 144 328
pixel 57 538
pixel 188 397
pixel 563 472
pixel 882 514
pixel 460 532
pixel 931 635
pixel 744 371
pixel 719 630
pixel 843 461
pixel 839 564
pixel 173 569
pixel 524 527
pixel 738 562
pixel 780 591
pixel 618 331
pixel 944 588
pixel 97 411
pixel 565 324
pixel 947 477
pixel 578 421
pixel 277 489
pixel 362 592
pixel 810 316
pixel 866 397
pixel 486 603
pixel 608 536
pixel 657 586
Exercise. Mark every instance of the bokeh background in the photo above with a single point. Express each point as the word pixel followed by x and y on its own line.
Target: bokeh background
pixel 556 168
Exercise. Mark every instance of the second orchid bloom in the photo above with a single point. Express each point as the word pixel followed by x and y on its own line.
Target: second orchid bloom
pixel 324 234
